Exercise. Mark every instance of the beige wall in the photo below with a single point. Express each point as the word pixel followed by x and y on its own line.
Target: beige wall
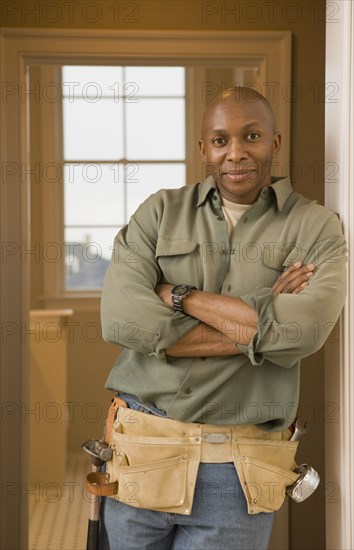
pixel 89 363
pixel 89 358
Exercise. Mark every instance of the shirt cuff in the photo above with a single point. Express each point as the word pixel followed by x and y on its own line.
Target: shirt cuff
pixel 261 301
pixel 170 331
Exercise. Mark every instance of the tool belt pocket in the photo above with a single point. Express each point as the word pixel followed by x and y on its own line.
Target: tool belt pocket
pixel 158 473
pixel 265 468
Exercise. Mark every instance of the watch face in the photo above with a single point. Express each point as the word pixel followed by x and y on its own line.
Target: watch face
pixel 180 290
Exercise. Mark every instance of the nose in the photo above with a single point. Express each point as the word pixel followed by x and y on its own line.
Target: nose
pixel 236 151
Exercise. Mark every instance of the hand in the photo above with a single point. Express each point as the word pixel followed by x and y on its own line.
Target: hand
pixel 163 291
pixel 294 279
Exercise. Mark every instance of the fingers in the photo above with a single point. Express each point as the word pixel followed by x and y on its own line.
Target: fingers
pixel 294 279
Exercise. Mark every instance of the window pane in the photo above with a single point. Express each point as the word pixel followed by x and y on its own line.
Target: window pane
pixel 96 242
pixel 94 194
pixel 156 129
pixel 156 81
pixel 87 82
pixel 93 131
pixel 87 255
pixel 111 114
pixel 151 177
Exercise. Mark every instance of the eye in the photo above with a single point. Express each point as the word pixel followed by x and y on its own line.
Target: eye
pixel 219 141
pixel 253 136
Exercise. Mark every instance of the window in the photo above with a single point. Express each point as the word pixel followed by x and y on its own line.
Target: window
pixel 123 139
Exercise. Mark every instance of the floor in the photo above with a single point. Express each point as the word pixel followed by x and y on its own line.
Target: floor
pixel 58 515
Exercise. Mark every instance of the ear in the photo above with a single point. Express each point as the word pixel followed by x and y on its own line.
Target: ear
pixel 202 149
pixel 276 142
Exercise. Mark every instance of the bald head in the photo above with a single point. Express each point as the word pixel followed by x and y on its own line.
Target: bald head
pixel 238 96
pixel 238 143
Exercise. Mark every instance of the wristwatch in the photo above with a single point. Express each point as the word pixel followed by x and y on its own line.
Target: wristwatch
pixel 178 293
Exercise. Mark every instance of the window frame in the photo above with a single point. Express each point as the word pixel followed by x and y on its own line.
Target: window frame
pixel 55 294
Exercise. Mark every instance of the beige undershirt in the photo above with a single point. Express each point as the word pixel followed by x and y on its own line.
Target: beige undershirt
pixel 233 212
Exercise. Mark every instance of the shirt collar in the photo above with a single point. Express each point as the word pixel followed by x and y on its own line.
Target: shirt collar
pixel 205 188
pixel 281 186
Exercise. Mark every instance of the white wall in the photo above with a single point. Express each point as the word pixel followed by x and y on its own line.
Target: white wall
pixel 339 196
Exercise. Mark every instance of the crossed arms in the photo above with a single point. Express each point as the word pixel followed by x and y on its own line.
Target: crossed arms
pixel 236 321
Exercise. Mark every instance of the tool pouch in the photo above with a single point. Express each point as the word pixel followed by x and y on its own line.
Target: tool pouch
pixel 265 467
pixel 156 460
pixel 153 471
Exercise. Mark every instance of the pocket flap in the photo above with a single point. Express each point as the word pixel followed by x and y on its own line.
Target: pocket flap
pixel 277 453
pixel 282 257
pixel 174 247
pixel 273 257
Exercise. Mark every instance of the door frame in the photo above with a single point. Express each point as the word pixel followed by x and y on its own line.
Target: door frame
pixel 339 196
pixel 19 49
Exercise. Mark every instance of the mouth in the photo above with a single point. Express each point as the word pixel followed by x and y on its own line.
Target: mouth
pixel 237 175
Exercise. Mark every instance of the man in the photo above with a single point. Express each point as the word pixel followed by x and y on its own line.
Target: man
pixel 216 291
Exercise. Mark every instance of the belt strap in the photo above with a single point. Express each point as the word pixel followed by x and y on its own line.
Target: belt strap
pixel 216 446
pixel 115 404
pixel 98 484
pixel 216 442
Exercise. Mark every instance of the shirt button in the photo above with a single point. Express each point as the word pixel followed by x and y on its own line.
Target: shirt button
pixel 220 218
pixel 188 391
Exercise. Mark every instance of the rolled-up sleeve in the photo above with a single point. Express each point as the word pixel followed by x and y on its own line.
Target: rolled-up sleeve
pixel 132 315
pixel 293 326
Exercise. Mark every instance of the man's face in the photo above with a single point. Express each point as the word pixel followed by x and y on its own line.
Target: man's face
pixel 238 139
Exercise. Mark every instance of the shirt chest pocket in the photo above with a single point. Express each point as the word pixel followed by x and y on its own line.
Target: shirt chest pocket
pixel 277 259
pixel 178 261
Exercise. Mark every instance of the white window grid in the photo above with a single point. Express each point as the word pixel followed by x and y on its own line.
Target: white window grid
pixel 130 167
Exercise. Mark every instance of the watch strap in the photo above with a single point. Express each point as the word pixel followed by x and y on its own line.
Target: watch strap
pixel 177 298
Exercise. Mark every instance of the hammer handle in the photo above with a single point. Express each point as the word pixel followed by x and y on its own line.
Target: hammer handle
pixel 92 535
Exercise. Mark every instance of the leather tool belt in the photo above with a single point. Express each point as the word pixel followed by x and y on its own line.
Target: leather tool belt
pixel 156 460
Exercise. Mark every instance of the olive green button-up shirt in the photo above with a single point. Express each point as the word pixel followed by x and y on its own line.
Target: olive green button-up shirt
pixel 181 236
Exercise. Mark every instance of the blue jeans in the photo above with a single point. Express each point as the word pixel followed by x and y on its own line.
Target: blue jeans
pixel 219 519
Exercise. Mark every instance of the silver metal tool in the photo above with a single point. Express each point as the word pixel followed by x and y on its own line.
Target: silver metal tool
pixel 98 450
pixel 305 485
pixel 300 429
